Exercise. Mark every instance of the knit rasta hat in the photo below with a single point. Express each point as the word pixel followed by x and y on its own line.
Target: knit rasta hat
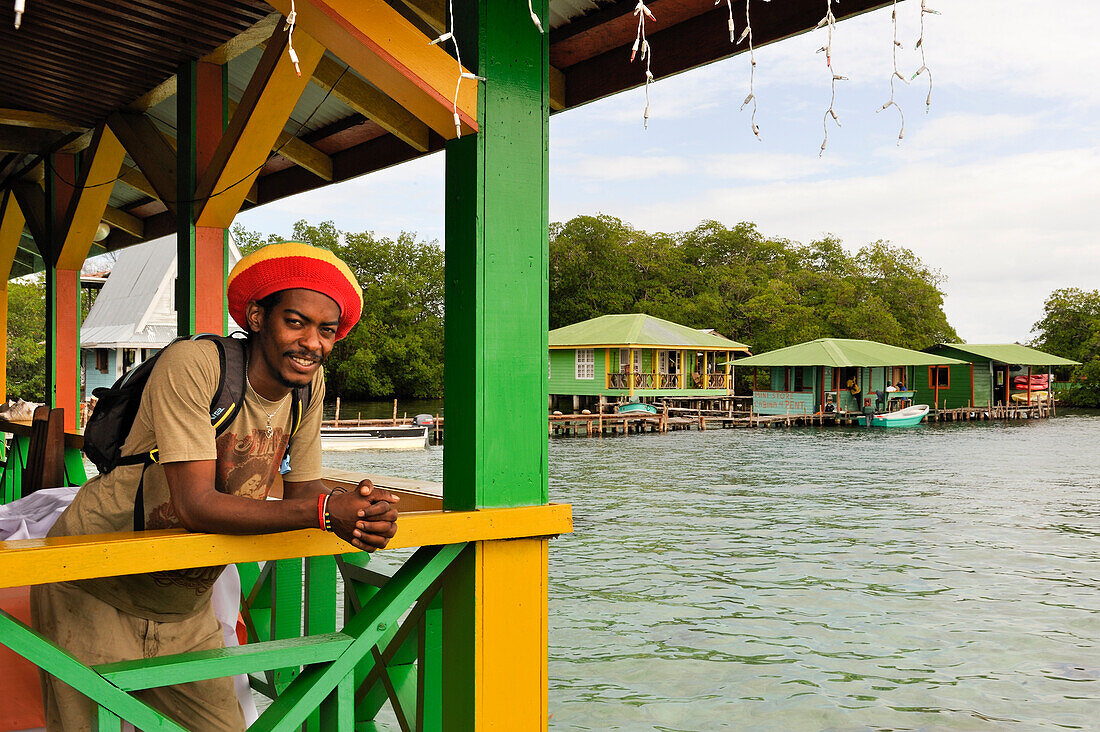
pixel 294 265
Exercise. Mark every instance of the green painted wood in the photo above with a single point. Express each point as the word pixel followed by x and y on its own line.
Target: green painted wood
pixel 56 661
pixel 148 673
pixel 429 669
pixel 105 721
pixel 338 708
pixel 286 612
pixel 75 472
pixel 14 466
pixel 320 608
pixel 367 628
pixel 186 179
pixel 497 264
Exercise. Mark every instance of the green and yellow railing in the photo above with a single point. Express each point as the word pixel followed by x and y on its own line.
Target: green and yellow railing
pixel 391 646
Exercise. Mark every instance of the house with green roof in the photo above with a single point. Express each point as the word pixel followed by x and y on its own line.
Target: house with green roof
pixel 638 355
pixel 990 375
pixel 814 377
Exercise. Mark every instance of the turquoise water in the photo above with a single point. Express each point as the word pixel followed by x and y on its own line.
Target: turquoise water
pixel 943 577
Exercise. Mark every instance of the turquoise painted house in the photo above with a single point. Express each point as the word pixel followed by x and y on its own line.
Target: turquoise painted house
pixel 991 374
pixel 639 355
pixel 814 377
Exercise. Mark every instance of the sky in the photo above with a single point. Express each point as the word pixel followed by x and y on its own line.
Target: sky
pixel 996 185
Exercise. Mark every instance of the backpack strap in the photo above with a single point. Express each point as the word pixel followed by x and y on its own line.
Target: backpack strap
pixel 227 401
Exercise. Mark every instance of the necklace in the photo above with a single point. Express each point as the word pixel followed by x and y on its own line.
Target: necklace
pixel 268 429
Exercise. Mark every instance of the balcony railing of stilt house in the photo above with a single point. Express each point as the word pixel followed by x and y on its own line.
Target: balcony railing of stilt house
pixel 321 668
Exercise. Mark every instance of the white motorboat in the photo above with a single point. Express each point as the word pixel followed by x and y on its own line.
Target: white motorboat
pixel 353 437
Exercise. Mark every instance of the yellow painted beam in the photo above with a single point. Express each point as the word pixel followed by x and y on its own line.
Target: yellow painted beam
pixel 11 229
pixel 134 178
pixel 153 151
pixel 557 89
pixel 299 152
pixel 154 96
pixel 371 103
pixel 38 561
pixel 38 120
pixel 101 168
pixel 244 42
pixel 255 127
pixel 391 53
pixel 129 223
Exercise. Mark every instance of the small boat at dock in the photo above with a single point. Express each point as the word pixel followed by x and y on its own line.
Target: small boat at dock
pixel 372 437
pixel 636 408
pixel 908 417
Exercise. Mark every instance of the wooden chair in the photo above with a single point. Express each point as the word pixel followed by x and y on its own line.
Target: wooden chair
pixel 45 451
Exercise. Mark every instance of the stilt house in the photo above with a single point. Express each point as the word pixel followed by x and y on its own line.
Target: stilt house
pixel 640 355
pixel 991 374
pixel 811 377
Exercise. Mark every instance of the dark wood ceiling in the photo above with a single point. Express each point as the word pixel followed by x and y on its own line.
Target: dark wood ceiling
pixel 80 60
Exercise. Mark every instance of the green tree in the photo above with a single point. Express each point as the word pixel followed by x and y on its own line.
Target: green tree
pixel 26 340
pixel 1070 327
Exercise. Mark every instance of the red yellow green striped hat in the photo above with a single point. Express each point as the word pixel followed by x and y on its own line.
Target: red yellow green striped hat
pixel 294 265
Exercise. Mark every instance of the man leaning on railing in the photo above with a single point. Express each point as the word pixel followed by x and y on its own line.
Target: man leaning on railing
pixel 294 301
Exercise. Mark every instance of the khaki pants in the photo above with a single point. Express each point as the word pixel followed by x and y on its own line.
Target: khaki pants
pixel 96 633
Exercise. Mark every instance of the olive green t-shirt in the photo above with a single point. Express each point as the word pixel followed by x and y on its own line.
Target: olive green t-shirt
pixel 174 417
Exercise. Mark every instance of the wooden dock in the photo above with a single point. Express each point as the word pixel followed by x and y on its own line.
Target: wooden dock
pixel 685 418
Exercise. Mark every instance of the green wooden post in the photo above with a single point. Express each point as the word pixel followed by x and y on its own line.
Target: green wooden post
pixel 496 267
pixel 186 175
pixel 286 612
pixel 496 358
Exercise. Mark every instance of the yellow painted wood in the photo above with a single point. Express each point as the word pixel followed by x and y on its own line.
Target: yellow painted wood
pixel 391 53
pixel 127 222
pixel 253 130
pixel 682 358
pixel 299 152
pixel 38 561
pixel 607 368
pixel 134 178
pixel 557 89
pixel 632 375
pixel 244 42
pixel 104 160
pixel 11 229
pixel 371 103
pixel 38 120
pixel 512 635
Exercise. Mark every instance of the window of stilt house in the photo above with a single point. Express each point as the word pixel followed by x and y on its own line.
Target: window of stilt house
pixel 939 376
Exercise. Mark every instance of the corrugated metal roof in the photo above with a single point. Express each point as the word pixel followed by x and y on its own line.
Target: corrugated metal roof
pixel 1010 353
pixel 638 330
pixel 840 352
pixel 131 290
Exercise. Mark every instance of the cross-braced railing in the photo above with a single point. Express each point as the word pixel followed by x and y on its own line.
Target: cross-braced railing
pixel 389 648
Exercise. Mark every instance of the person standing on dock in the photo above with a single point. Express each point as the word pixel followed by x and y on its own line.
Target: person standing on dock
pixel 854 389
pixel 294 301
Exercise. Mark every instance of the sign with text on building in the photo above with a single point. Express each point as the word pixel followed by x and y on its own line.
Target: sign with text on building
pixel 783 402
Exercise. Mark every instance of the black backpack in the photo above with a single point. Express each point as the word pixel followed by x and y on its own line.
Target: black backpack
pixel 117 407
